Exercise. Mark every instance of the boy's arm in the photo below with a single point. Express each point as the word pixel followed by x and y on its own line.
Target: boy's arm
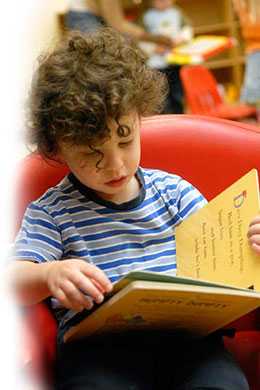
pixel 74 282
pixel 38 270
pixel 28 280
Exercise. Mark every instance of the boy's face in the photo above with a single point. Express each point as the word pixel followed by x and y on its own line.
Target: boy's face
pixel 110 174
pixel 162 4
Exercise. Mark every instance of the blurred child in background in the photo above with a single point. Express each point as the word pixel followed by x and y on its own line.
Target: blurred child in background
pixel 249 16
pixel 89 15
pixel 167 19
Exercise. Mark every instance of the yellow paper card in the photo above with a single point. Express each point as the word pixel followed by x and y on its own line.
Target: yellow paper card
pixel 212 243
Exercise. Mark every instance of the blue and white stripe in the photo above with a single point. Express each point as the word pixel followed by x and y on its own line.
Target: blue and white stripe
pixel 64 223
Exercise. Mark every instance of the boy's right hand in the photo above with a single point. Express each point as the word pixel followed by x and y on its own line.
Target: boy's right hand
pixel 76 283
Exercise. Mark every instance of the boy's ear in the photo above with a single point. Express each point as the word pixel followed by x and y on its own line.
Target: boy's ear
pixel 59 158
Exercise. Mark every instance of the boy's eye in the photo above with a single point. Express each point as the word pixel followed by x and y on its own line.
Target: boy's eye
pixel 93 153
pixel 124 144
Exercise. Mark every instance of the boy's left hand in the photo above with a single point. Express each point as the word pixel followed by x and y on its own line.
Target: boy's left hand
pixel 254 234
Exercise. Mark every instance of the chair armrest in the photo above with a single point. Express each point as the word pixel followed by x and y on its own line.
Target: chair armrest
pixel 245 346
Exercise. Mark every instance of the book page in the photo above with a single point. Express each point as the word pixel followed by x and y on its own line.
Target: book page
pixel 212 244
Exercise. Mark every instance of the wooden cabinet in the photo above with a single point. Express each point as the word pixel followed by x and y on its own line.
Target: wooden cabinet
pixel 218 17
pixel 214 17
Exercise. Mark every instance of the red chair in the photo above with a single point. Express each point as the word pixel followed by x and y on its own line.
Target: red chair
pixel 209 152
pixel 203 98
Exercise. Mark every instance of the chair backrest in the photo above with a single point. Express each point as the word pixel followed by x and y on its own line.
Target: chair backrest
pixel 34 176
pixel 209 152
pixel 200 87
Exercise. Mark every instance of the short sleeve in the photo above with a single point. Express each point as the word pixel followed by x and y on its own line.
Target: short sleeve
pixel 188 199
pixel 39 239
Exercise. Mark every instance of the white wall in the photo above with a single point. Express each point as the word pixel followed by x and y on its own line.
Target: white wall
pixel 39 31
pixel 26 27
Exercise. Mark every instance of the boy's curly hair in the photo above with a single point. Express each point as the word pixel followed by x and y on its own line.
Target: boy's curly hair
pixel 85 81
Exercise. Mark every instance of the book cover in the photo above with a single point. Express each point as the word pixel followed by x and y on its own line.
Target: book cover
pixel 194 308
pixel 199 49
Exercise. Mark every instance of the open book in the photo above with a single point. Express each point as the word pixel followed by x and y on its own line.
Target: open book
pixel 218 274
pixel 199 49
pixel 212 243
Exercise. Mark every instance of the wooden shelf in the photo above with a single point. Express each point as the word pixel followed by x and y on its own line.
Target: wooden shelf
pixel 211 28
pixel 219 19
pixel 224 63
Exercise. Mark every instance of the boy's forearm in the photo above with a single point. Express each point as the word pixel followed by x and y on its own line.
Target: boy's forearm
pixel 29 281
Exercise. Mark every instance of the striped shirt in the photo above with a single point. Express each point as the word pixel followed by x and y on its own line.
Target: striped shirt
pixel 70 221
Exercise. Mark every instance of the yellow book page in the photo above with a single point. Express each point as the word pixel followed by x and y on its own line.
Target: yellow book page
pixel 197 310
pixel 212 243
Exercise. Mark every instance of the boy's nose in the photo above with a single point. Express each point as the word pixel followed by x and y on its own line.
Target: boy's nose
pixel 114 162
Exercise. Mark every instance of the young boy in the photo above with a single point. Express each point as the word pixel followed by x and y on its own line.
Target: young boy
pixel 108 217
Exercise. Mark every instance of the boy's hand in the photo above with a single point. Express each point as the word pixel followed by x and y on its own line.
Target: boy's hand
pixel 254 234
pixel 76 283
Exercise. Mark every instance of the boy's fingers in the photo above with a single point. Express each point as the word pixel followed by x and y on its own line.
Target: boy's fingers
pixel 98 275
pixel 256 248
pixel 64 301
pixel 87 287
pixel 98 285
pixel 255 239
pixel 254 229
pixel 74 297
pixel 256 220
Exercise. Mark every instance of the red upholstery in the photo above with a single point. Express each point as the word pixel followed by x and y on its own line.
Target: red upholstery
pixel 246 348
pixel 35 175
pixel 211 153
pixel 203 97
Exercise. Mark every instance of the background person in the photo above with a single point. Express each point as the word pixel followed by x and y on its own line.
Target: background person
pixel 167 19
pixel 88 15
